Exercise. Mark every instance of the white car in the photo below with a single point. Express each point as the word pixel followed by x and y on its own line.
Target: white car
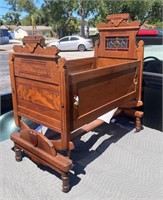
pixel 73 43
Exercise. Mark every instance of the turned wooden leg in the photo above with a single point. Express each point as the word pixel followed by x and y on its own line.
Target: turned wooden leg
pixel 65 182
pixel 68 153
pixel 138 116
pixel 138 124
pixel 18 155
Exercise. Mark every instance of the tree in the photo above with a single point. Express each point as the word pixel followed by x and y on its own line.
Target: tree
pixel 35 17
pixel 156 12
pixel 22 5
pixel 60 16
pixel 1 22
pixel 12 18
pixel 85 9
pixel 17 7
pixel 142 10
pixel 64 16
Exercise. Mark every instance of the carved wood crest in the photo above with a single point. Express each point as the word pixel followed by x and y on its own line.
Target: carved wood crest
pixel 119 20
pixel 35 44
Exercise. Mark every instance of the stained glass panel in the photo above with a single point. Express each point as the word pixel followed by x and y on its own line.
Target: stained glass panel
pixel 117 43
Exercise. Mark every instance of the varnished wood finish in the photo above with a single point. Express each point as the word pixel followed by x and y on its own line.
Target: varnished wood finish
pixel 65 95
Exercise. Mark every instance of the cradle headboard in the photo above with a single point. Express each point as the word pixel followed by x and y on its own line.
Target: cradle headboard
pixel 117 37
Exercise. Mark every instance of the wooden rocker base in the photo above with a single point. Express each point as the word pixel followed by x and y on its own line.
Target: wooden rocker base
pixel 56 161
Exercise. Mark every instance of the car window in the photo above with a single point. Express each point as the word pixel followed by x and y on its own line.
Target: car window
pixel 160 32
pixel 64 39
pixel 74 38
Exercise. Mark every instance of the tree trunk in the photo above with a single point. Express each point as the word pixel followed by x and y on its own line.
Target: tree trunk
pixel 82 24
pixel 88 29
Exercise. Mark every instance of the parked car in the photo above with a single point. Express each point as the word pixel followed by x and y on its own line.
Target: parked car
pixel 150 36
pixel 73 43
pixel 152 87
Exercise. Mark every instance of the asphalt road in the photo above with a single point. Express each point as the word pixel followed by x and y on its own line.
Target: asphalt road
pixel 4 67
pixel 4 74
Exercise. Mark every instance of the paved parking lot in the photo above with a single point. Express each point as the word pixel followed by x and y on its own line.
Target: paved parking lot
pixel 68 55
pixel 76 54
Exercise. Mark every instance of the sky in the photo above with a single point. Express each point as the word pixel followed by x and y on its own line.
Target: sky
pixel 4 7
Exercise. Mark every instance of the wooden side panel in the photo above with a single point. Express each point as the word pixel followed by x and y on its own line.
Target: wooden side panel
pixel 39 102
pixel 37 68
pixel 79 65
pixel 100 93
pixel 106 62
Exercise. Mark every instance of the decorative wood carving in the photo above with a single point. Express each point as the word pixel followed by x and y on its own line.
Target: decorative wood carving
pixel 36 45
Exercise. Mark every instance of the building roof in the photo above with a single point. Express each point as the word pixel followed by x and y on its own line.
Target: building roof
pixel 3 27
pixel 11 27
pixel 29 28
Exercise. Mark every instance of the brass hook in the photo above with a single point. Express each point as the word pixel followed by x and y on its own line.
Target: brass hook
pixel 136 77
pixel 76 101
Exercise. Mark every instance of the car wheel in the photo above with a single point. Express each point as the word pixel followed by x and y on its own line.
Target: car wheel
pixel 81 47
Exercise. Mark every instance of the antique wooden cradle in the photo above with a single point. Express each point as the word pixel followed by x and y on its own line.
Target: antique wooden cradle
pixel 69 96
